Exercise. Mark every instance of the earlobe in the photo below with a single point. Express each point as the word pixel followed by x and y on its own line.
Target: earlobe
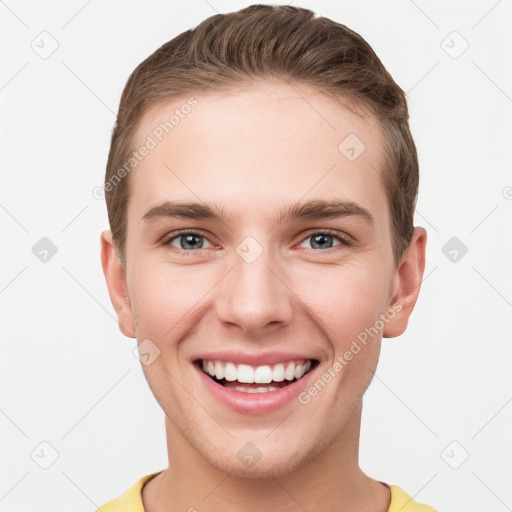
pixel 115 276
pixel 407 283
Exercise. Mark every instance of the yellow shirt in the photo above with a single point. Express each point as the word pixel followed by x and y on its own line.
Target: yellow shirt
pixel 131 500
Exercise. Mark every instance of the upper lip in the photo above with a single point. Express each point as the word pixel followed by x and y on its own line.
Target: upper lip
pixel 260 359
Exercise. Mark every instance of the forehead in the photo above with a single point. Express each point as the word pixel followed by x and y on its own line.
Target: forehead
pixel 256 147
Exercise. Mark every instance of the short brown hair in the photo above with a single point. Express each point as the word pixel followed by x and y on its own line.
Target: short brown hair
pixel 265 41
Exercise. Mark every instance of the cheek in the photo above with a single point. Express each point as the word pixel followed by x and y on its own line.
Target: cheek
pixel 162 299
pixel 172 303
pixel 347 308
pixel 345 301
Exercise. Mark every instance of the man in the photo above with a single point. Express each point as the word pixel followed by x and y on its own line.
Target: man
pixel 261 186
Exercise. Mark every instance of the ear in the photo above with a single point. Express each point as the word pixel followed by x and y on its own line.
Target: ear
pixel 115 276
pixel 407 283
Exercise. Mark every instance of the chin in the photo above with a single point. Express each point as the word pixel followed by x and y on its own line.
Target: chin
pixel 276 465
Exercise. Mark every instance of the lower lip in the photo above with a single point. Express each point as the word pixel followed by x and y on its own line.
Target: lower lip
pixel 254 403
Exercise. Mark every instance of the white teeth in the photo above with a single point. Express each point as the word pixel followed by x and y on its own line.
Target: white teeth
pixel 264 374
pixel 230 372
pixel 245 373
pixel 289 374
pixel 256 390
pixel 219 370
pixel 278 372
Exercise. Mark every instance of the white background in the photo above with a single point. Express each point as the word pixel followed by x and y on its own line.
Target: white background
pixel 68 375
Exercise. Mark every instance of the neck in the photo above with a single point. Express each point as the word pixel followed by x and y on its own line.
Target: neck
pixel 329 480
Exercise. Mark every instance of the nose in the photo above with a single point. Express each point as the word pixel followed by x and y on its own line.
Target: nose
pixel 254 295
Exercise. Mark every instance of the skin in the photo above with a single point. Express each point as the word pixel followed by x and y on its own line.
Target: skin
pixel 294 297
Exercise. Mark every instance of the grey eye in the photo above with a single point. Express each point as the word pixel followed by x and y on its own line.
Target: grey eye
pixel 321 241
pixel 188 241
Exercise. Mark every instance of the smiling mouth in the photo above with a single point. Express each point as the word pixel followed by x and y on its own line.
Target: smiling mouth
pixel 260 379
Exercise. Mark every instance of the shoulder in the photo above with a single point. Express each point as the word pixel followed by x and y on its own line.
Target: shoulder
pixel 131 500
pixel 401 501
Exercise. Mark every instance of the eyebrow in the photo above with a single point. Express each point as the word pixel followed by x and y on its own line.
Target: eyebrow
pixel 312 210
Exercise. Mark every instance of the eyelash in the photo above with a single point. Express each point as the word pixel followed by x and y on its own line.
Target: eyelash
pixel 344 240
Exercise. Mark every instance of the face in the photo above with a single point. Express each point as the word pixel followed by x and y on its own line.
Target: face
pixel 262 279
